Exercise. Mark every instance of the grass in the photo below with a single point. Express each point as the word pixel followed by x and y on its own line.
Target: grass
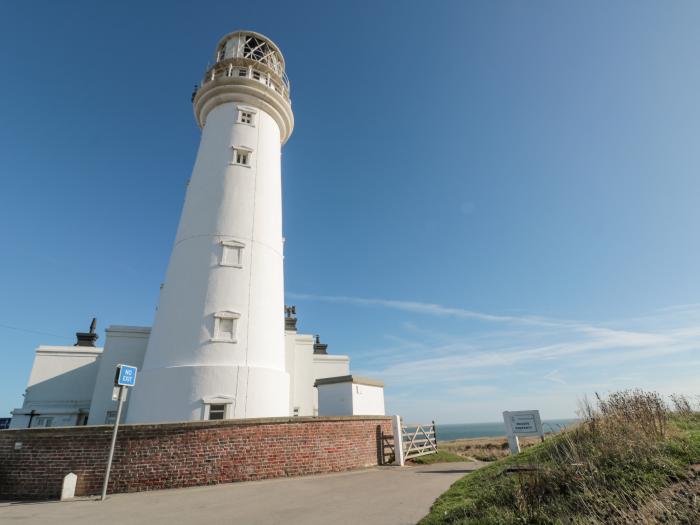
pixel 484 449
pixel 442 456
pixel 627 462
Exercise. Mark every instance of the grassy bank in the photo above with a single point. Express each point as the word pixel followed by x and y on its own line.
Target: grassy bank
pixel 629 461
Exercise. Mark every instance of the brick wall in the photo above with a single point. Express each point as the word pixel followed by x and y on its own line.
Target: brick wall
pixel 160 456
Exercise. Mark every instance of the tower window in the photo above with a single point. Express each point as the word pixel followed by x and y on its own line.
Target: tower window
pixel 232 254
pixel 256 75
pixel 217 411
pixel 225 324
pixel 221 55
pixel 241 156
pixel 245 117
pixel 242 72
pixel 217 407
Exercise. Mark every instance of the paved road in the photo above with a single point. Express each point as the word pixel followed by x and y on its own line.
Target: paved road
pixel 382 495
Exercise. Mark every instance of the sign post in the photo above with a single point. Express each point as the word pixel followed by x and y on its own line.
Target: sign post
pixel 522 423
pixel 123 379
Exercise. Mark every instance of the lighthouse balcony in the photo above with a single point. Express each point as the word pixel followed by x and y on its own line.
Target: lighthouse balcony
pixel 238 68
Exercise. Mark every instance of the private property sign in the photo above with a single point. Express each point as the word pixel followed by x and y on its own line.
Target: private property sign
pixel 522 423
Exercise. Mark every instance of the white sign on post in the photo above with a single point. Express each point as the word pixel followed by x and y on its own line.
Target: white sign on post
pixel 522 423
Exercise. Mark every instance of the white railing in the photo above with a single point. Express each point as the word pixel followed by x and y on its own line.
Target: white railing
pixel 233 70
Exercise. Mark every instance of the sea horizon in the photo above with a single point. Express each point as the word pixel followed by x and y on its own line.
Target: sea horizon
pixel 452 431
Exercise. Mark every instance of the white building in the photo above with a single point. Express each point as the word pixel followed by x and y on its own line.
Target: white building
pixel 72 385
pixel 219 347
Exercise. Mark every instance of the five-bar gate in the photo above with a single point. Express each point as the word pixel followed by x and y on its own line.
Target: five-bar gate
pixel 411 441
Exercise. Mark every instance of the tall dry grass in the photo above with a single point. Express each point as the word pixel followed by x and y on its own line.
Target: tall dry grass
pixel 611 467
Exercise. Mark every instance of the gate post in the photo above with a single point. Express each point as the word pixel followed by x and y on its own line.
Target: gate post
pixel 398 440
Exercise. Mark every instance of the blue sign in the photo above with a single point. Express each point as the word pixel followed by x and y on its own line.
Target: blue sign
pixel 126 375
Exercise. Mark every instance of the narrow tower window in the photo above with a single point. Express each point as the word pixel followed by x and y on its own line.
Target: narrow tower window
pixel 221 55
pixel 232 254
pixel 241 156
pixel 217 411
pixel 242 72
pixel 225 324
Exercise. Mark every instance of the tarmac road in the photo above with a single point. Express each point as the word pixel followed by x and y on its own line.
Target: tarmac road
pixel 381 495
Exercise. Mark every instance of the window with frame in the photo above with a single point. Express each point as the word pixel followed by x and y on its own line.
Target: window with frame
pixel 225 324
pixel 43 421
pixel 217 411
pixel 256 75
pixel 232 254
pixel 242 72
pixel 296 412
pixel 241 156
pixel 245 117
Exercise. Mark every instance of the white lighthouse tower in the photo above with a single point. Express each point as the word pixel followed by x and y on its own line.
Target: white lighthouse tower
pixel 217 347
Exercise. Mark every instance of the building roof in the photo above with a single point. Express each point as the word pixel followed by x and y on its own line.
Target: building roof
pixel 349 379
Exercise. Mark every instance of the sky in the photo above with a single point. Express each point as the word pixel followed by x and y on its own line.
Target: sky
pixel 488 205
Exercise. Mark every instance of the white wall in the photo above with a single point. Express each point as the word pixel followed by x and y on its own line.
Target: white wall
pixel 367 400
pixel 328 365
pixel 350 398
pixel 60 385
pixel 335 399
pixel 301 373
pixel 123 345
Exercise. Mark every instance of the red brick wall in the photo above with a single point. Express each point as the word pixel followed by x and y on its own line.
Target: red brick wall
pixel 160 456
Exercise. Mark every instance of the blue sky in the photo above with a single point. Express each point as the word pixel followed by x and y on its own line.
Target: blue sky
pixel 490 205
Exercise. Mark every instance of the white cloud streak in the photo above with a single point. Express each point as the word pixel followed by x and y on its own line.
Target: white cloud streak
pixel 567 344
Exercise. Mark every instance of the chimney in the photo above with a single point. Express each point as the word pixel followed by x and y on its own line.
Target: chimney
pixel 290 319
pixel 319 347
pixel 87 338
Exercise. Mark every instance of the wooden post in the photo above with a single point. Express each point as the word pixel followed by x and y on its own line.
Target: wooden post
pixel 398 441
pixel 435 435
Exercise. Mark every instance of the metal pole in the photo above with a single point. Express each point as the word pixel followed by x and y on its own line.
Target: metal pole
pixel 114 441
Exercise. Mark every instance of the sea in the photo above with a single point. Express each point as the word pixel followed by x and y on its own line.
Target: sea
pixel 477 430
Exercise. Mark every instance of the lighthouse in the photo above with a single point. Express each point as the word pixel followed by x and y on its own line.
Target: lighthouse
pixel 217 346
